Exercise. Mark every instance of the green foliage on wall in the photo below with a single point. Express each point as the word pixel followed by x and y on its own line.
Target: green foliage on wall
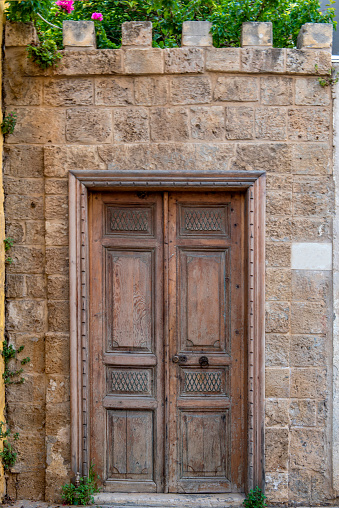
pixel 167 17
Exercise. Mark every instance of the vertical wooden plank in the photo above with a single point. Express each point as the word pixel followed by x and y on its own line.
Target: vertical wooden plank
pixel 166 338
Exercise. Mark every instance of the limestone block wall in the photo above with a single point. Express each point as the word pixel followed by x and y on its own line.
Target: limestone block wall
pixel 249 108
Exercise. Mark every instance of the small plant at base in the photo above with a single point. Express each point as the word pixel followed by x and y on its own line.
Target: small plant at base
pixel 8 455
pixel 331 79
pixel 10 353
pixel 81 494
pixel 45 54
pixel 8 123
pixel 8 245
pixel 255 499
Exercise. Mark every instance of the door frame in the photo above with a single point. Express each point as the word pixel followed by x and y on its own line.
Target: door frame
pixel 252 183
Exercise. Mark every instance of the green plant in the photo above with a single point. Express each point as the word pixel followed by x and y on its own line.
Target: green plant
pixel 330 79
pixel 8 123
pixel 45 53
pixel 255 499
pixel 8 242
pixel 81 494
pixel 10 353
pixel 8 455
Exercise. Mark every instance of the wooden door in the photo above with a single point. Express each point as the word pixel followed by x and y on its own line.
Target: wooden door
pixel 207 398
pixel 167 328
pixel 126 335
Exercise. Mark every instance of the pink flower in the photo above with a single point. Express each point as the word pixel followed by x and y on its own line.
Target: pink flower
pixel 66 5
pixel 97 15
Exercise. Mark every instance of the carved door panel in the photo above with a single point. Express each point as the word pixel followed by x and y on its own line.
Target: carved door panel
pixel 126 331
pixel 207 424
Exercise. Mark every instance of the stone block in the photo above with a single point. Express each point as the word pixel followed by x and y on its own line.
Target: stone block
pixel 131 125
pixel 278 255
pixel 278 202
pixel 57 416
pixel 278 284
pixel 57 287
pixel 277 317
pixel 15 230
pixel 182 60
pixel 299 485
pixel 56 207
pixel 276 91
pixel 276 489
pixel 33 390
pixel 21 91
pixel 276 449
pixel 308 61
pixel 57 260
pixel 239 122
pixel 31 485
pixel 24 161
pixel 309 92
pixel 309 317
pixel 36 286
pixel 303 413
pixel 26 260
pixel 196 33
pixel 308 350
pixel 25 186
pixel 311 285
pixel 89 62
pixel 169 124
pixel 15 286
pixel 235 88
pixel 31 453
pixel 56 186
pixel 26 315
pixel 191 90
pixel 57 389
pixel 270 60
pixel 19 34
pixel 223 59
pixel 270 157
pixel 308 383
pixel 24 207
pixel 151 91
pixel 307 449
pixel 144 61
pixel 78 34
pixel 59 160
pixel 277 412
pixel 23 416
pixel 114 91
pixel 68 92
pixel 57 353
pixel 137 33
pixel 277 350
pixel 58 316
pixel 56 232
pixel 39 125
pixel 311 159
pixel 207 123
pixel 89 126
pixel 256 34
pixel 315 36
pixel 279 183
pixel 300 230
pixel 312 256
pixel 270 123
pixel 312 196
pixel 216 156
pixel 277 383
pixel 35 232
pixel 322 412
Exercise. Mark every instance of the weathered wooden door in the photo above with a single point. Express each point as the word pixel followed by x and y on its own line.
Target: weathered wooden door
pixel 167 346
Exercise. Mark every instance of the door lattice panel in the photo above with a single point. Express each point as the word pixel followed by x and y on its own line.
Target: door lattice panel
pixel 128 381
pixel 130 219
pixel 203 220
pixel 203 382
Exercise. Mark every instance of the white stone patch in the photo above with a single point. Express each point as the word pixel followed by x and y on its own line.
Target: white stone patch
pixel 311 256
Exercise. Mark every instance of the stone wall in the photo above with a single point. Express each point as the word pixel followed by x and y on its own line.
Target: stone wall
pixel 252 108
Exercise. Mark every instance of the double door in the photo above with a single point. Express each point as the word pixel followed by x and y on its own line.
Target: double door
pixel 167 341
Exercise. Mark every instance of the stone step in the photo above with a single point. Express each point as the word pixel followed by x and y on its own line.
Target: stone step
pixel 116 500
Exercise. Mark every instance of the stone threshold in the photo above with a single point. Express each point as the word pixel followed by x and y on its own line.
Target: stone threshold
pixel 169 500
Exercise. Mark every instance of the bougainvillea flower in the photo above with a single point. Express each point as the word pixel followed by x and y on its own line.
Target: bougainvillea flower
pixel 97 15
pixel 66 5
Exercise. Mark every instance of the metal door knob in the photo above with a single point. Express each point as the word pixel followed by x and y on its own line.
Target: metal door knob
pixel 179 359
pixel 203 361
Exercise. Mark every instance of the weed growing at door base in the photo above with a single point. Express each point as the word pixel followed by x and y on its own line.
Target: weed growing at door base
pixel 81 494
pixel 255 499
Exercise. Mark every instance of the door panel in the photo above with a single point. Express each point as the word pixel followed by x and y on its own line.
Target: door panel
pixel 191 244
pixel 207 419
pixel 126 336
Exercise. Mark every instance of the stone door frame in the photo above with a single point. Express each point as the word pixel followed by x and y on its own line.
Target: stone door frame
pixel 252 183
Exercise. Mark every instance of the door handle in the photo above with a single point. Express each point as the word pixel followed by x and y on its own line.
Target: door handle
pixel 203 361
pixel 179 359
